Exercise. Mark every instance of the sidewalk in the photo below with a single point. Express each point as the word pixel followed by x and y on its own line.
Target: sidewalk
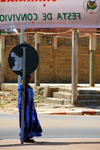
pixel 52 144
pixel 59 110
pixel 74 112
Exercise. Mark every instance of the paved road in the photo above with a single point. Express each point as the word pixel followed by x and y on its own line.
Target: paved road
pixel 54 126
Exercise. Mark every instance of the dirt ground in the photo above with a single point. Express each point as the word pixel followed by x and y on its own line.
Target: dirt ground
pixel 8 103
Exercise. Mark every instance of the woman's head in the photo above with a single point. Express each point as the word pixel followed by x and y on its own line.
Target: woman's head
pixel 27 79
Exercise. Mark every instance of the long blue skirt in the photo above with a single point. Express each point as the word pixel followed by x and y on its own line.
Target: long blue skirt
pixel 32 125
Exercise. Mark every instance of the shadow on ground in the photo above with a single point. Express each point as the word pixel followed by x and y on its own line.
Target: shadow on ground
pixel 48 143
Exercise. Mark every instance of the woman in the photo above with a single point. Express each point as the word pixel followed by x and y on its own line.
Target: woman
pixel 31 123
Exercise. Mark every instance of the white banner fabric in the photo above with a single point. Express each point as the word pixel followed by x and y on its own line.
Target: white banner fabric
pixel 49 14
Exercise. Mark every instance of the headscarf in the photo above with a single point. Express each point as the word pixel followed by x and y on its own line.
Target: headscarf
pixel 26 76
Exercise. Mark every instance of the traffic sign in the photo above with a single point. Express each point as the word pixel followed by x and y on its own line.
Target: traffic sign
pixel 15 59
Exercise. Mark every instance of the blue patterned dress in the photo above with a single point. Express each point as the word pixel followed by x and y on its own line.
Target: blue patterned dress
pixel 31 123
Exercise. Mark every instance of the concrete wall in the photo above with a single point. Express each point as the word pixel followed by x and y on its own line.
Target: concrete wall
pixel 55 65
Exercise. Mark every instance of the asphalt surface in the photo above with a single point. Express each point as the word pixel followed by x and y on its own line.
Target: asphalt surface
pixel 54 126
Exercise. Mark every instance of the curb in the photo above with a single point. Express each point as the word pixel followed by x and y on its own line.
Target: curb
pixel 82 112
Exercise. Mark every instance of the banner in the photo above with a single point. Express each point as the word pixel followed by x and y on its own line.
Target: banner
pixel 49 14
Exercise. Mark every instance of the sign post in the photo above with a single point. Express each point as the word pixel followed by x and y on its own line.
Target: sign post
pixel 23 60
pixel 23 96
pixel 21 41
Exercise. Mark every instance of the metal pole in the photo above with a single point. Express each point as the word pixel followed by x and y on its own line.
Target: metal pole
pixel 23 96
pixel 19 77
pixel 22 36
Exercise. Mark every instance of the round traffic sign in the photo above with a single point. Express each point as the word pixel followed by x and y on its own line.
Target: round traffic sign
pixel 15 59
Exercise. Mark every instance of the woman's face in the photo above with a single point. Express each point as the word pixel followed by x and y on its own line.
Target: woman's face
pixel 27 79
